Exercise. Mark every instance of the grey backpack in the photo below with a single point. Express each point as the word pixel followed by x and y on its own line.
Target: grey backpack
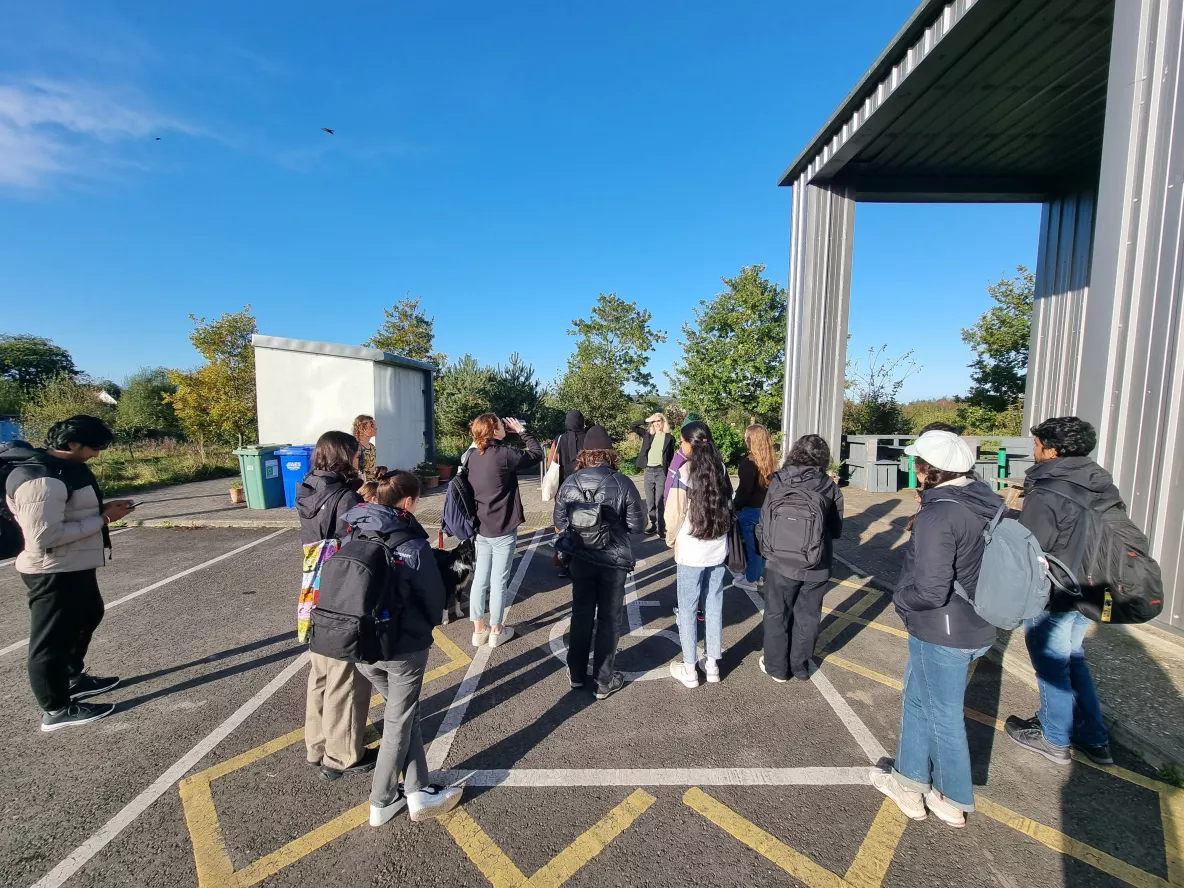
pixel 1013 582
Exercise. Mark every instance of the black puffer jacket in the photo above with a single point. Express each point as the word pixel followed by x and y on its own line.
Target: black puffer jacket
pixel 322 500
pixel 623 510
pixel 946 545
pixel 417 569
pixel 813 478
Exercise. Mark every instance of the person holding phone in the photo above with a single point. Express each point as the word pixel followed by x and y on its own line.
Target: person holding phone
pixel 493 472
pixel 55 499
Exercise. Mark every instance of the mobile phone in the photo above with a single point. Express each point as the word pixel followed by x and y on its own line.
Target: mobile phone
pixel 136 503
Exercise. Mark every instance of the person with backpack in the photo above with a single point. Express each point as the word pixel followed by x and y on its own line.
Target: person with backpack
pixel 932 767
pixel 338 697
pixel 653 461
pixel 56 502
pixel 699 517
pixel 1062 492
pixel 381 598
pixel 11 538
pixel 754 471
pixel 564 452
pixel 595 511
pixel 801 515
pixel 492 470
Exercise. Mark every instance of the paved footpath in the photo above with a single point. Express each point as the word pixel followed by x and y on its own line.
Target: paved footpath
pixel 199 778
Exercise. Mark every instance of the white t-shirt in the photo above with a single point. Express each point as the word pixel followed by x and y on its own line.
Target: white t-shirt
pixel 692 551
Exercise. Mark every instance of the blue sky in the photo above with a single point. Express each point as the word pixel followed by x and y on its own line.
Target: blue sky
pixel 505 162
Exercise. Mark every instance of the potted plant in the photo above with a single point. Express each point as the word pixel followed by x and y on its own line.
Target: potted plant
pixel 445 466
pixel 237 494
pixel 428 474
pixel 835 470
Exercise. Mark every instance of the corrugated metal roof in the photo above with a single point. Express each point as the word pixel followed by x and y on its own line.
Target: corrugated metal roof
pixel 360 352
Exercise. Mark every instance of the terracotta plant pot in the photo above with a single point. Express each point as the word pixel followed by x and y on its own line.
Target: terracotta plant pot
pixel 238 495
pixel 445 472
pixel 430 480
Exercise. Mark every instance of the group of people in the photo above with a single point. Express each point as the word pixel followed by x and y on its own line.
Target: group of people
pixel 787 516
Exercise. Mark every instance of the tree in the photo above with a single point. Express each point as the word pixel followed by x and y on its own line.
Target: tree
pixel 12 397
pixel 464 390
pixel 875 382
pixel 515 391
pixel 143 404
pixel 1000 340
pixel 33 360
pixel 408 331
pixel 597 391
pixel 733 356
pixel 60 398
pixel 618 336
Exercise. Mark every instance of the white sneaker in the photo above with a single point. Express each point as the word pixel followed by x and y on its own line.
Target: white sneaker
pixel 943 810
pixel 910 802
pixel 766 671
pixel 742 583
pixel 380 815
pixel 710 668
pixel 480 637
pixel 432 801
pixel 686 674
pixel 496 638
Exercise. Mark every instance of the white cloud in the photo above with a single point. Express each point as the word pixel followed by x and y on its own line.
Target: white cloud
pixel 51 128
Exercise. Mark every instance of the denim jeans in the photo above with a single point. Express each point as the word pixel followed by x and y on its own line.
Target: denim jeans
pixel 932 750
pixel 748 517
pixel 1069 708
pixel 491 576
pixel 691 580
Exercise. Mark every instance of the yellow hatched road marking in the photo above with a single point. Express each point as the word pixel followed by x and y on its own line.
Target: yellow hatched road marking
pixel 878 848
pixel 502 872
pixel 848 616
pixel 871 624
pixel 272 863
pixel 1171 811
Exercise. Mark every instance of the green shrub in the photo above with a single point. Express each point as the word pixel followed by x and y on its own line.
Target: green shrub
pixel 730 442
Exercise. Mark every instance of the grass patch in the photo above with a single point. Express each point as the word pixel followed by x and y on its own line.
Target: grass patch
pixel 1171 774
pixel 158 465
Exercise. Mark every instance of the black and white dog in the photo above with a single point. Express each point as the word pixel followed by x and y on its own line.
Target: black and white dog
pixel 456 568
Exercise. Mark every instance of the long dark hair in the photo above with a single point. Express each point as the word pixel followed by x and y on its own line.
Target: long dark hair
pixel 709 501
pixel 335 453
pixel 929 477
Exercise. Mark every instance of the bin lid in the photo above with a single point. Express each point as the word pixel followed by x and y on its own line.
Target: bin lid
pixel 296 450
pixel 258 449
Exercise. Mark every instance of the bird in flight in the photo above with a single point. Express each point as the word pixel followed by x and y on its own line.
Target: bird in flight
pixel 326 129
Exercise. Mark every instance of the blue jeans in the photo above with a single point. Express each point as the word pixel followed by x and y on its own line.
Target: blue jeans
pixel 691 581
pixel 932 750
pixel 748 517
pixel 491 575
pixel 1069 708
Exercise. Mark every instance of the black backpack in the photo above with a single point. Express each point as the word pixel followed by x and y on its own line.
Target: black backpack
pixel 586 522
pixel 459 518
pixel 1111 574
pixel 361 600
pixel 12 540
pixel 797 527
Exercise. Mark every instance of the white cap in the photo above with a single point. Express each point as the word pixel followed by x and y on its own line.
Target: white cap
pixel 943 450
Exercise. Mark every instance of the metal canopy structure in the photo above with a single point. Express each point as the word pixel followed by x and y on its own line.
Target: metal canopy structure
pixel 1074 104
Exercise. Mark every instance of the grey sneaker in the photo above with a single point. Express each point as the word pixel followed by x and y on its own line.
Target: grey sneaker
pixel 1028 733
pixel 91 686
pixel 74 715
pixel 603 692
pixel 1099 755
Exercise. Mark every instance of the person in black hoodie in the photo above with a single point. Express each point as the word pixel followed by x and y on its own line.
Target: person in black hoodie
pixel 932 767
pixel 567 447
pixel 400 678
pixel 338 698
pixel 1070 714
pixel 598 574
pixel 801 495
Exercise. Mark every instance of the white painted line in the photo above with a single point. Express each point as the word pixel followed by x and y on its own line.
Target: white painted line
pixel 133 809
pixel 113 533
pixel 17 645
pixel 564 777
pixel 867 742
pixel 455 716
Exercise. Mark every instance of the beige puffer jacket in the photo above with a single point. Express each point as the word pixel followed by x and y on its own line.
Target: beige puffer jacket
pixel 63 529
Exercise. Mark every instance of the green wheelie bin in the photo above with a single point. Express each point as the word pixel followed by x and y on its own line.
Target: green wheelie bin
pixel 262 479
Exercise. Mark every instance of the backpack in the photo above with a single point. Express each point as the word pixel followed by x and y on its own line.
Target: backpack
pixel 586 522
pixel 797 527
pixel 1112 576
pixel 12 539
pixel 315 557
pixel 361 600
pixel 1013 581
pixel 460 504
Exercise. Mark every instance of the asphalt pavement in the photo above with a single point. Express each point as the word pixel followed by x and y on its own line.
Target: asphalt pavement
pixel 199 776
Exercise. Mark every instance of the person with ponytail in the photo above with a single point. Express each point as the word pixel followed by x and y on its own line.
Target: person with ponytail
pixel 699 516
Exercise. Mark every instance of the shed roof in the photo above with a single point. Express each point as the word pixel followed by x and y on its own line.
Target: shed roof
pixel 974 100
pixel 360 352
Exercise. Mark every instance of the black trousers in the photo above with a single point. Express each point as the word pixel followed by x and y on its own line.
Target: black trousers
pixel 597 595
pixel 655 485
pixel 793 610
pixel 64 611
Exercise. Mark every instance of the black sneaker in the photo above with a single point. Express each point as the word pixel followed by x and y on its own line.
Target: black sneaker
pixel 651 531
pixel 91 686
pixel 1029 734
pixel 605 691
pixel 576 683
pixel 564 573
pixel 367 762
pixel 75 714
pixel 1099 755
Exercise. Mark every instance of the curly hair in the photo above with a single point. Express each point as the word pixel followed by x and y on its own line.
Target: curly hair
pixel 809 450
pixel 709 501
pixel 760 450
pixel 1067 435
pixel 484 427
pixel 586 459
pixel 362 422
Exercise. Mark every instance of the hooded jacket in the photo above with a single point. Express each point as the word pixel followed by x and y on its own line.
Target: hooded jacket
pixel 415 566
pixel 947 545
pixel 322 501
pixel 812 478
pixel 570 443
pixel 59 508
pixel 622 510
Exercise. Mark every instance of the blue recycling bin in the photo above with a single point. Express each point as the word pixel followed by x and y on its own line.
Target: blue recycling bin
pixel 295 462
